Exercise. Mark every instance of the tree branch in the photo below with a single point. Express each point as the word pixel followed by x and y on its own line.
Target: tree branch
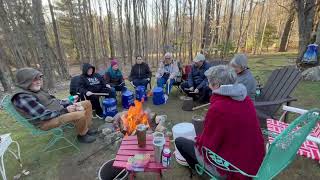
pixel 283 6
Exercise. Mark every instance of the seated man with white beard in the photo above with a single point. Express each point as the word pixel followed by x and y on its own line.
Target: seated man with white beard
pixel 32 101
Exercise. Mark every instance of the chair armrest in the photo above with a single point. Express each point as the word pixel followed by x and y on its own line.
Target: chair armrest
pixel 276 102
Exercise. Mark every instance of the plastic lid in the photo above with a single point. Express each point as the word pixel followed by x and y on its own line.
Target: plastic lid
pixel 141 88
pixel 127 93
pixel 157 89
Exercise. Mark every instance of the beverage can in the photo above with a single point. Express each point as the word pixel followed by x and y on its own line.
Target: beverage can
pixel 166 157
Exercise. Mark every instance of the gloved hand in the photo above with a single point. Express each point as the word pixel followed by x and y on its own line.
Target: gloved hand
pixel 89 93
pixel 196 90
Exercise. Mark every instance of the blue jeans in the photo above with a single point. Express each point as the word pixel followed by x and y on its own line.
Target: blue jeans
pixel 162 81
pixel 140 82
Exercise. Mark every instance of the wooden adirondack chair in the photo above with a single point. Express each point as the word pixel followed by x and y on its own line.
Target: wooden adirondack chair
pixel 276 91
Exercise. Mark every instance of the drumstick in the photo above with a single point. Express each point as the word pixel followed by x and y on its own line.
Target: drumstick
pixel 100 94
pixel 201 106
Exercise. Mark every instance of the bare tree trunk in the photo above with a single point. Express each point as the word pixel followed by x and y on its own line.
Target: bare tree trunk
pixel 286 31
pixel 228 29
pixel 93 42
pixel 102 35
pixel 76 35
pixel 84 42
pixel 242 14
pixel 207 26
pixel 165 20
pixel 260 21
pixel 63 65
pixel 264 30
pixel 306 13
pixel 110 28
pixel 216 36
pixel 136 28
pixel 119 9
pixel 5 78
pixel 43 45
pixel 145 29
pixel 128 25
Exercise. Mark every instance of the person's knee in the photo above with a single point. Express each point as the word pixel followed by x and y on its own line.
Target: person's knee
pixel 179 142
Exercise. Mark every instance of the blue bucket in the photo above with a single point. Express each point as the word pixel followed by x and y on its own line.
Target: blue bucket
pixel 141 93
pixel 127 99
pixel 158 96
pixel 110 107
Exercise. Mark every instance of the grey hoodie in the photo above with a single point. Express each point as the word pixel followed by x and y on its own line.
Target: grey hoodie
pixel 236 91
pixel 25 77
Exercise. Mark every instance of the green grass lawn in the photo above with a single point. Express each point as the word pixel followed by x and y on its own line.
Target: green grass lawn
pixel 47 167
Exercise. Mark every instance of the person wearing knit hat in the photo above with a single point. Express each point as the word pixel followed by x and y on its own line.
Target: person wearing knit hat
pixel 46 111
pixel 167 72
pixel 114 77
pixel 197 84
pixel 240 64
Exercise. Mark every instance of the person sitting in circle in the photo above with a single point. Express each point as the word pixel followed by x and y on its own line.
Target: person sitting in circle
pixel 197 84
pixel 140 74
pixel 114 77
pixel 167 72
pixel 90 83
pixel 45 111
pixel 231 128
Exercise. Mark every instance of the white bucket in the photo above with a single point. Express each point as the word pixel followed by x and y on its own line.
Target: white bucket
pixel 185 130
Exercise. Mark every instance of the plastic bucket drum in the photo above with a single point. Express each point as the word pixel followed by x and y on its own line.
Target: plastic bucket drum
pixel 141 93
pixel 185 130
pixel 158 96
pixel 110 107
pixel 127 99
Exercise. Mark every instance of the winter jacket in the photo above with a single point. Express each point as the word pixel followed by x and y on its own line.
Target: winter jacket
pixel 113 77
pixel 94 83
pixel 231 130
pixel 171 69
pixel 140 71
pixel 196 77
pixel 246 78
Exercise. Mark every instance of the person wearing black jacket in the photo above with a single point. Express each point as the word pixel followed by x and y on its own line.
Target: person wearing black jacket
pixel 140 73
pixel 91 82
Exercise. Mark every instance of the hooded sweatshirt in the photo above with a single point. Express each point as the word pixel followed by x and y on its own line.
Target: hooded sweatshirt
pixel 232 130
pixel 246 78
pixel 94 83
pixel 35 104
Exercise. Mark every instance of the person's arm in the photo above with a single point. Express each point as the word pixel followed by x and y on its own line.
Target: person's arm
pixel 107 77
pixel 190 78
pixel 213 129
pixel 175 71
pixel 203 83
pixel 30 105
pixel 149 73
pixel 160 71
pixel 83 89
pixel 132 75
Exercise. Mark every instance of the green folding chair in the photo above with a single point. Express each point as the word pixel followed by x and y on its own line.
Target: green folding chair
pixel 280 154
pixel 57 133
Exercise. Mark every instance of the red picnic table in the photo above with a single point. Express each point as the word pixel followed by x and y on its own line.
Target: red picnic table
pixel 129 147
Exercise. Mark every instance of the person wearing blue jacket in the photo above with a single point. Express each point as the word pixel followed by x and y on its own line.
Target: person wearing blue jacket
pixel 197 84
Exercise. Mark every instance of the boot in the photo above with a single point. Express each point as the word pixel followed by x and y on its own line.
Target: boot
pixel 86 138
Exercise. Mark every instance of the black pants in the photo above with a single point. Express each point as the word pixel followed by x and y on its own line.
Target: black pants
pixel 203 96
pixel 186 149
pixel 96 104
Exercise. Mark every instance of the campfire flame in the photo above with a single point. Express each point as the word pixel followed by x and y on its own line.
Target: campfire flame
pixel 134 117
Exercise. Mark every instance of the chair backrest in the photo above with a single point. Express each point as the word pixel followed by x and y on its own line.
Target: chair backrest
pixel 74 85
pixel 285 146
pixel 11 110
pixel 280 85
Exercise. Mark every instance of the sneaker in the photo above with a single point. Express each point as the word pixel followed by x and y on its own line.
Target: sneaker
pixel 92 132
pixel 86 138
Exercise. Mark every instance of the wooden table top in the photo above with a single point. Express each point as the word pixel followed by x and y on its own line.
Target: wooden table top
pixel 129 147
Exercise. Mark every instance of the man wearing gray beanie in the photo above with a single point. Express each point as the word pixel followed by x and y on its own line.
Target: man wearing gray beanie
pixel 45 111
